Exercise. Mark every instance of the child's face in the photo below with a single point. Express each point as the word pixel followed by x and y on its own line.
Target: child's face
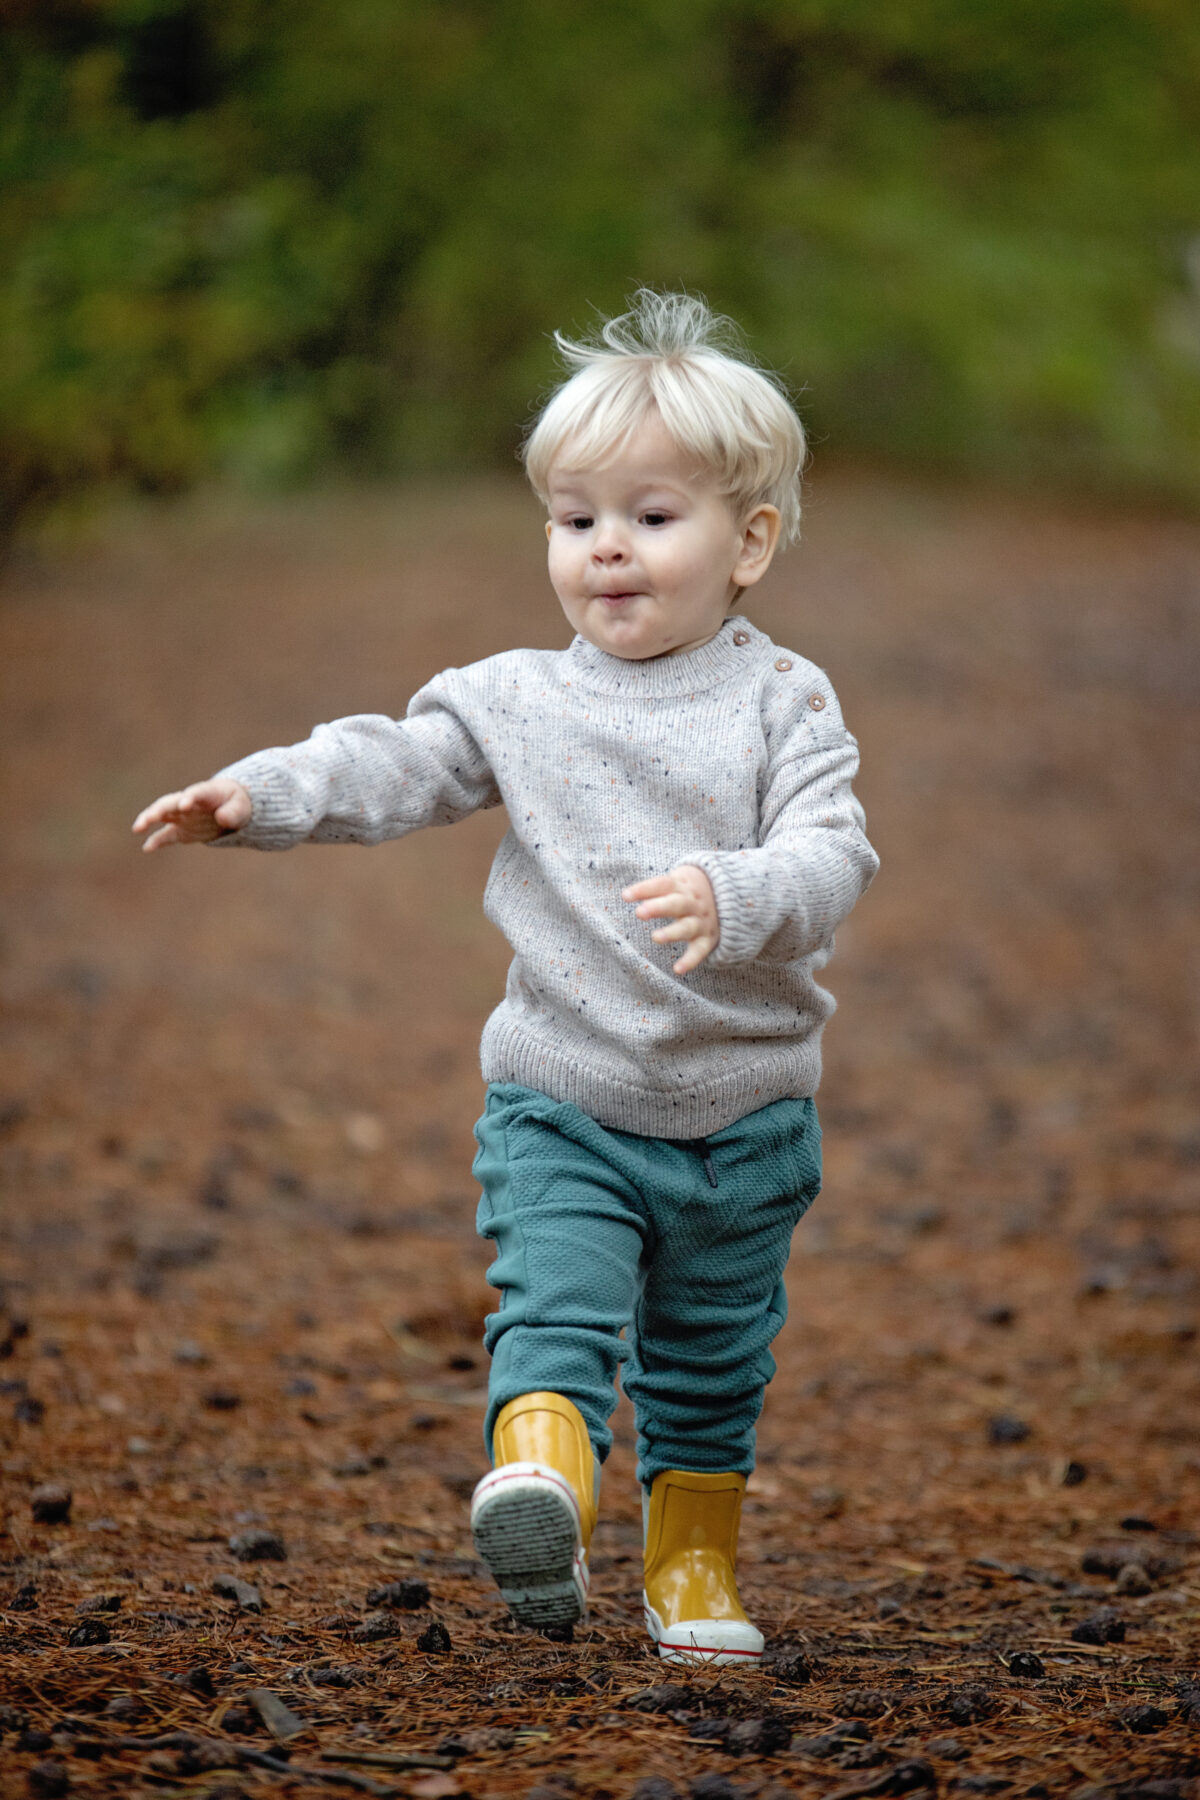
pixel 645 554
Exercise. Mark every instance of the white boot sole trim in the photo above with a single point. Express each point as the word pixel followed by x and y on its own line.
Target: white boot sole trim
pixel 525 1522
pixel 712 1641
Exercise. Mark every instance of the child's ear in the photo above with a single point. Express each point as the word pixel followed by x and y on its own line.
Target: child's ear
pixel 549 529
pixel 760 540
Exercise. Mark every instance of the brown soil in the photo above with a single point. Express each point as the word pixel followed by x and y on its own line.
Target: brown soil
pixel 237 1095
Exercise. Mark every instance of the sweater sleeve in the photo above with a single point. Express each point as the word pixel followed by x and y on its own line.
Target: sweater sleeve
pixel 364 779
pixel 785 899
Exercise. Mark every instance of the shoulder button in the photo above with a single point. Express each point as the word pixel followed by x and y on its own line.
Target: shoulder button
pixel 741 637
pixel 783 664
pixel 817 702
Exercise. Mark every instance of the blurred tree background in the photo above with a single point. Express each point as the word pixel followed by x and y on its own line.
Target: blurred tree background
pixel 265 239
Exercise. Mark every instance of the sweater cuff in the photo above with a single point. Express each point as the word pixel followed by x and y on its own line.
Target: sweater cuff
pixel 743 930
pixel 276 821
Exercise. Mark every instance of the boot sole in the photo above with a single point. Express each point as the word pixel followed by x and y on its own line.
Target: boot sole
pixel 718 1642
pixel 525 1523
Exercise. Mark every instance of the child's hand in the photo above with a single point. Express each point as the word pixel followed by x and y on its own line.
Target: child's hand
pixel 196 815
pixel 686 896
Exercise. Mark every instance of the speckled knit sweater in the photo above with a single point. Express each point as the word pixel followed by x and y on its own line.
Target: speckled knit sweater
pixel 733 757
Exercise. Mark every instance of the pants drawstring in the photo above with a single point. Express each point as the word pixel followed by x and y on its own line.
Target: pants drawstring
pixel 701 1147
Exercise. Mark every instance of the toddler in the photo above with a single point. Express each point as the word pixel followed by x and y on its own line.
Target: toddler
pixel 673 778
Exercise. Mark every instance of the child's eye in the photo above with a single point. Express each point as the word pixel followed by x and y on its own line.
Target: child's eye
pixel 581 523
pixel 655 517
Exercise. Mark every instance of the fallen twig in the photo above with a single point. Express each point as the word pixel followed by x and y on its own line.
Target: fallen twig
pixel 389 1759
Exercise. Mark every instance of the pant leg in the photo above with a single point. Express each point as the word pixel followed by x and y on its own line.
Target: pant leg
pixel 712 1297
pixel 567 1221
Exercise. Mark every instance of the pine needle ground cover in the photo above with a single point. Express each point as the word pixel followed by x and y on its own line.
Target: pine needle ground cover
pixel 240 1370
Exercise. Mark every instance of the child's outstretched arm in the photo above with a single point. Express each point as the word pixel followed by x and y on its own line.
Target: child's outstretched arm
pixel 358 780
pixel 195 815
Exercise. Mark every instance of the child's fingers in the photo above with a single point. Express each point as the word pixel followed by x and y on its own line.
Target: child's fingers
pixel 694 955
pixel 671 903
pixel 166 834
pixel 649 889
pixel 156 811
pixel 686 927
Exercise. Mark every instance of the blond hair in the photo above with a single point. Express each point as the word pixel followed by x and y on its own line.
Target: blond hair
pixel 672 355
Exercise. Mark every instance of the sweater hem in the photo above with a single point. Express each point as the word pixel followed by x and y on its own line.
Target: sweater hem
pixel 509 1054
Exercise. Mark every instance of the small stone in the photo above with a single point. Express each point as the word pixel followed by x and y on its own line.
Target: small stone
pixel 100 1603
pixel 126 1708
pixel 258 1546
pixel 1188 1695
pixel 834 1742
pixel 558 1634
pixel 87 1633
pixel 1103 1627
pixel 405 1596
pixel 190 1355
pixel 240 1721
pixel 29 1411
pixel 1142 1720
pixel 25 1599
pixel 1133 1581
pixel 666 1697
pixel 435 1639
pixel 13 1718
pixel 334 1675
pixel 1004 1428
pixel 999 1316
pixel 51 1503
pixel 862 1756
pixel 713 1787
pixel 947 1749
pixel 710 1731
pixel 759 1737
pixel 1074 1473
pixel 374 1628
pixel 230 1587
pixel 1136 1522
pixel 907 1776
pixel 48 1780
pixel 198 1681
pixel 1027 1664
pixel 222 1400
pixel 32 1743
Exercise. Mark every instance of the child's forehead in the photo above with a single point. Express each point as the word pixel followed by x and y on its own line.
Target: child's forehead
pixel 646 456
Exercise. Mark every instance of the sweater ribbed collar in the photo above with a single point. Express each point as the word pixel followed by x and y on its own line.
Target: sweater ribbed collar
pixel 714 663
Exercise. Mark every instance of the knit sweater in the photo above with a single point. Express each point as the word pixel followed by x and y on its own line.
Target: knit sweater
pixel 732 757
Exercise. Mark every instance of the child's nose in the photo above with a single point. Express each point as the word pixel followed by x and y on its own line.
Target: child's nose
pixel 609 545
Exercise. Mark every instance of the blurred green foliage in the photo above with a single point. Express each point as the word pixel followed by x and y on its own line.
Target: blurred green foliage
pixel 265 238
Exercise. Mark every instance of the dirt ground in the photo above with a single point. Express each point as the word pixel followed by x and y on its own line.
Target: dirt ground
pixel 241 1290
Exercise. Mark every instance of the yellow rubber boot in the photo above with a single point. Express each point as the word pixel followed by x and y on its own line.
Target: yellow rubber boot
pixel 692 1608
pixel 532 1517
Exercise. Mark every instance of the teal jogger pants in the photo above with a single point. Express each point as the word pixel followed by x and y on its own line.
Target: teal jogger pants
pixel 680 1244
